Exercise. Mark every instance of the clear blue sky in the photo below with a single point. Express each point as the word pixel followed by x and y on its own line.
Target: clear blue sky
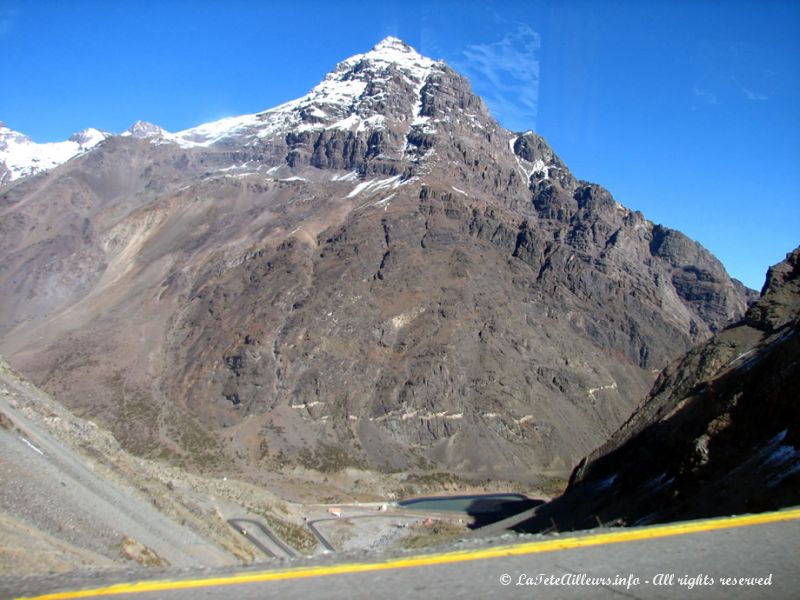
pixel 687 111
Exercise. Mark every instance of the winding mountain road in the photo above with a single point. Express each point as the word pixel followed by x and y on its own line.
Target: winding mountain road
pixel 751 556
pixel 318 534
pixel 241 525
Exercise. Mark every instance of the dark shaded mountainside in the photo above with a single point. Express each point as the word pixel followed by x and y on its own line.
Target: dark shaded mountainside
pixel 376 274
pixel 719 433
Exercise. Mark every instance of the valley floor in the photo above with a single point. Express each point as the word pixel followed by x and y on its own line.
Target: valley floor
pixel 73 500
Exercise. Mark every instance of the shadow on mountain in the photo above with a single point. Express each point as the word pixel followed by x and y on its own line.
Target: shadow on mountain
pixel 484 509
pixel 718 435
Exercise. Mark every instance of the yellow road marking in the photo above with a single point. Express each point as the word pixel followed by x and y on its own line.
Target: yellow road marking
pixel 614 537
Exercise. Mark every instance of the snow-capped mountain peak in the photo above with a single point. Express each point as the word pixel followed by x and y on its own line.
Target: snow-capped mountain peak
pixel 143 129
pixel 9 137
pixel 353 96
pixel 394 50
pixel 349 80
pixel 20 156
pixel 364 93
pixel 88 138
pixel 393 43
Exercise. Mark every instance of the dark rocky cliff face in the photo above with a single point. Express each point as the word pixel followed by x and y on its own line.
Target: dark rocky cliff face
pixel 719 433
pixel 376 274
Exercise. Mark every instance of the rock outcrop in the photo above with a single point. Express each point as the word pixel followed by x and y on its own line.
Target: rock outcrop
pixel 719 433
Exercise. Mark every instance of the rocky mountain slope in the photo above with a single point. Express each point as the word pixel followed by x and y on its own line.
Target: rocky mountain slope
pixel 73 499
pixel 719 433
pixel 376 274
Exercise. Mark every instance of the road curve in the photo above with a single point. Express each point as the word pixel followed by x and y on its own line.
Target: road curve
pixel 251 538
pixel 751 556
pixel 322 540
pixel 312 525
pixel 236 523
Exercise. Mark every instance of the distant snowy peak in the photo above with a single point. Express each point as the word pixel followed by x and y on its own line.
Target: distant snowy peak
pixel 89 138
pixel 20 156
pixel 9 137
pixel 143 129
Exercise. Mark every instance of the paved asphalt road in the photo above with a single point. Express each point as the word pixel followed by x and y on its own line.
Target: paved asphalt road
pixel 250 529
pixel 649 562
